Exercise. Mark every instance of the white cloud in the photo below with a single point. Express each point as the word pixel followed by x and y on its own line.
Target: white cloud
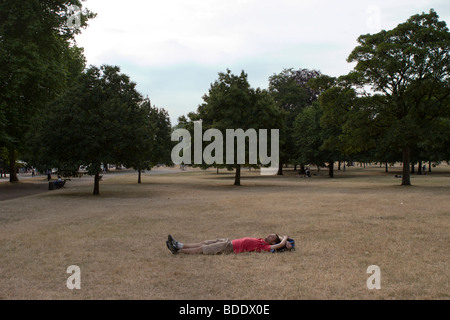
pixel 193 40
pixel 166 32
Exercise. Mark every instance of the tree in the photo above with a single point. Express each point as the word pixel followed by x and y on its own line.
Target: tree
pixel 162 143
pixel 148 141
pixel 308 136
pixel 317 135
pixel 91 123
pixel 232 104
pixel 407 69
pixel 292 94
pixel 436 144
pixel 34 43
pixel 136 146
pixel 352 128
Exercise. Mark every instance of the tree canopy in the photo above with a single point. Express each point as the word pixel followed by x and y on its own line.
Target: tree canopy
pixel 231 103
pixel 407 71
pixel 37 55
pixel 101 119
pixel 292 94
pixel 393 106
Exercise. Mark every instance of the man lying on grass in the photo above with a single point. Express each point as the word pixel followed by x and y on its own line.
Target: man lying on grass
pixel 271 243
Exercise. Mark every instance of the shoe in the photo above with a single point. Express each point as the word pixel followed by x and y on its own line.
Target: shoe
pixel 171 247
pixel 173 241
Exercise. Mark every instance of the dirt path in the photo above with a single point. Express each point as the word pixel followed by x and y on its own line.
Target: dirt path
pixel 22 189
pixel 28 186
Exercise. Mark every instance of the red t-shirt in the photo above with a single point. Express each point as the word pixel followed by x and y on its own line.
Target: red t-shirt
pixel 250 244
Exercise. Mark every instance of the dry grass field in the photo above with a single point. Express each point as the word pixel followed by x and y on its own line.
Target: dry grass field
pixel 341 226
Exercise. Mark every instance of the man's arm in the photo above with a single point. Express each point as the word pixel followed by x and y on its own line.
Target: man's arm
pixel 281 244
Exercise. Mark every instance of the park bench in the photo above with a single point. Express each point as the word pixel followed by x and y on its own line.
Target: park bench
pixel 53 185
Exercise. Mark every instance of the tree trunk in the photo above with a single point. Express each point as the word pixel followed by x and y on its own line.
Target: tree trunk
pixel 97 184
pixel 237 177
pixel 12 166
pixel 386 167
pixel 280 170
pixel 406 177
pixel 331 169
pixel 139 175
pixel 302 169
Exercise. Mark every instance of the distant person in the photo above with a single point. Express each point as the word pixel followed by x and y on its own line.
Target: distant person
pixel 308 173
pixel 271 243
pixel 58 183
pixel 49 174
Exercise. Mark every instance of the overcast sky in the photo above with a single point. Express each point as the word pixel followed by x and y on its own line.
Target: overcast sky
pixel 174 49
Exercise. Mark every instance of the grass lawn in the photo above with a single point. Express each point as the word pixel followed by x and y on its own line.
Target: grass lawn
pixel 342 226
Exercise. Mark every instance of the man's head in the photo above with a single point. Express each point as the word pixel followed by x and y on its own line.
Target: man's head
pixel 289 244
pixel 272 239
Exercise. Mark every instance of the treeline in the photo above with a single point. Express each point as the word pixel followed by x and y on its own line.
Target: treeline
pixel 100 119
pixel 393 106
pixel 55 112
